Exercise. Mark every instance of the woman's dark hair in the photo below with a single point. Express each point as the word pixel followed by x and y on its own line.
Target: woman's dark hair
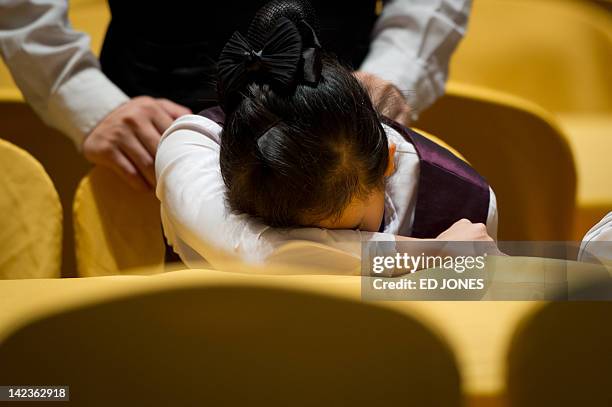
pixel 297 155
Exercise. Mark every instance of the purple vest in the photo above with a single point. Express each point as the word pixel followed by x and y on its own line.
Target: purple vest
pixel 448 188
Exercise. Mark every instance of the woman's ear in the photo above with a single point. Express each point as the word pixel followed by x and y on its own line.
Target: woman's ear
pixel 391 163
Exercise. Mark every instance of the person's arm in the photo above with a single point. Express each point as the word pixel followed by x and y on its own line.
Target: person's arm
pixel 191 191
pixel 61 79
pixel 54 68
pixel 412 44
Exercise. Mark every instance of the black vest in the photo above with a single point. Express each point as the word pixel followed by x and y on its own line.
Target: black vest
pixel 170 50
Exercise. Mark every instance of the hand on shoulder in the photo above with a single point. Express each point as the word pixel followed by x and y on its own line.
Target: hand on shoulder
pixel 126 139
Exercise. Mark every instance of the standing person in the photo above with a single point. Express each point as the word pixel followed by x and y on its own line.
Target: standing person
pixel 115 109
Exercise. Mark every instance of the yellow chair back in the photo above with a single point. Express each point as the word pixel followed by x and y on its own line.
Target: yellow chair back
pixel 556 53
pixel 228 339
pixel 116 228
pixel 31 223
pixel 560 354
pixel 520 150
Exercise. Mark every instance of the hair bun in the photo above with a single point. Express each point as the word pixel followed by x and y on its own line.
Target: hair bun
pixel 282 49
pixel 266 19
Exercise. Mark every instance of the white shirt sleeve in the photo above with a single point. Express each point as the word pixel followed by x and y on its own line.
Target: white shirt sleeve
pixel 195 217
pixel 54 68
pixel 596 247
pixel 412 44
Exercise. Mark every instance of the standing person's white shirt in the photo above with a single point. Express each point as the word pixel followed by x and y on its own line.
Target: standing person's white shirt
pixel 200 226
pixel 61 79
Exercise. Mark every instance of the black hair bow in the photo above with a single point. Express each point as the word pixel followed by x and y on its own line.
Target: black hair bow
pixel 277 62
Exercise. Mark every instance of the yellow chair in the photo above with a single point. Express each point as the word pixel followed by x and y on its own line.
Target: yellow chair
pixel 520 150
pixel 31 224
pixel 57 154
pixel 91 17
pixel 116 228
pixel 189 324
pixel 6 81
pixel 202 337
pixel 441 143
pixel 590 139
pixel 557 54
pixel 560 355
pixel 64 164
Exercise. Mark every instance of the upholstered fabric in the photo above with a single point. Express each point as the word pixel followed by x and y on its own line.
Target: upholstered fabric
pixel 31 217
pixel 116 227
pixel 555 53
pixel 590 139
pixel 478 333
pixel 201 337
pixel 478 341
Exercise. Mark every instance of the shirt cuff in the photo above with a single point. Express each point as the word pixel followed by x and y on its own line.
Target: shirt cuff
pixel 81 102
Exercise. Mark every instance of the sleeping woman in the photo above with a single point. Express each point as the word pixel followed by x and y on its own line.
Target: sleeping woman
pixel 296 151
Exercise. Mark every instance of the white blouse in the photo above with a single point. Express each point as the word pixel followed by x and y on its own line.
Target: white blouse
pixel 201 227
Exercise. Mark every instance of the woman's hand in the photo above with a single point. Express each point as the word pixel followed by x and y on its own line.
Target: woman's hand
pixel 387 98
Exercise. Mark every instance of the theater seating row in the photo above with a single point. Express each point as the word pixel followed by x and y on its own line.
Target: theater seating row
pixel 204 337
